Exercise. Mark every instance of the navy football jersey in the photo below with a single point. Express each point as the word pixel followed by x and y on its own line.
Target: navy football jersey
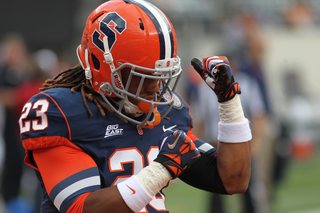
pixel 119 149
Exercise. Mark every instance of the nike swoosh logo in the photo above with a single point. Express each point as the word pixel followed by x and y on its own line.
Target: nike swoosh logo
pixel 166 129
pixel 171 146
pixel 133 191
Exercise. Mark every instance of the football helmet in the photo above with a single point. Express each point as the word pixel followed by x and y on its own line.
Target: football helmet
pixel 136 35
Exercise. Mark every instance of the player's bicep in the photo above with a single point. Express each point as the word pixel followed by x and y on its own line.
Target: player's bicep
pixel 67 173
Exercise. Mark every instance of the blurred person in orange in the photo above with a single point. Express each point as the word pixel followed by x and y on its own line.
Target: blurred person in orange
pixel 299 15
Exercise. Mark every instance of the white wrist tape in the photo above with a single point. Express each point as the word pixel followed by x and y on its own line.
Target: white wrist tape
pixel 233 126
pixel 234 132
pixel 231 111
pixel 154 177
pixel 138 190
pixel 133 194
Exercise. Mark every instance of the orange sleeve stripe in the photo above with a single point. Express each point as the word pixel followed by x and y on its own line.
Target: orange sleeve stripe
pixel 77 206
pixel 65 118
pixel 43 142
pixel 58 163
pixel 46 142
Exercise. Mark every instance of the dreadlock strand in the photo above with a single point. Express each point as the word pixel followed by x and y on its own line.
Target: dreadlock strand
pixel 99 107
pixel 85 101
pixel 110 109
pixel 104 105
pixel 68 78
pixel 90 94
pixel 75 79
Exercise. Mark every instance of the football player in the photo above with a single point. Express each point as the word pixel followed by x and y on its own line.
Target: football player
pixel 109 134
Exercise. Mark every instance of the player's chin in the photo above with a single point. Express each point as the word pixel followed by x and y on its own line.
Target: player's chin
pixel 135 115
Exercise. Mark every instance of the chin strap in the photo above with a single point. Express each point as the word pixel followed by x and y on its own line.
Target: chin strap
pixel 139 109
pixel 156 120
pixel 145 107
pixel 107 54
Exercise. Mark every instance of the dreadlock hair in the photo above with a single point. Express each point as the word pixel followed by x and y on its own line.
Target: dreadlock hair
pixel 75 79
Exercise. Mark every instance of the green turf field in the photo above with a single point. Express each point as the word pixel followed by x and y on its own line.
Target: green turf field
pixel 298 193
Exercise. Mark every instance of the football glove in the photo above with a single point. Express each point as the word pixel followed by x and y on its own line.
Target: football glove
pixel 177 152
pixel 217 73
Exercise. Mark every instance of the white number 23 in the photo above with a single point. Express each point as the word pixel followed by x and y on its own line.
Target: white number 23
pixel 41 107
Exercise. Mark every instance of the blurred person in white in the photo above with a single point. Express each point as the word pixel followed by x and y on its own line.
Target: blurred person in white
pixel 48 61
pixel 255 198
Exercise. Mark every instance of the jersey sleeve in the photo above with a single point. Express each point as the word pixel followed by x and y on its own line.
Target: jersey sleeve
pixel 42 125
pixel 203 174
pixel 69 175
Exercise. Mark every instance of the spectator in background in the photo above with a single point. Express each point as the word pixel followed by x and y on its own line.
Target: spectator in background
pixel 16 67
pixel 23 92
pixel 251 54
pixel 242 36
pixel 48 62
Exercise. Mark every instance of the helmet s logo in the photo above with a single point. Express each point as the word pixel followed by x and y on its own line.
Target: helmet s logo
pixel 110 25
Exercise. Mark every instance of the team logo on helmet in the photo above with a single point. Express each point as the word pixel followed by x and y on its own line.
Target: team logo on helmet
pixel 110 25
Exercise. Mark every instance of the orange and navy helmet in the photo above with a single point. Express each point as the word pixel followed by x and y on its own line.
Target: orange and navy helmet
pixel 130 34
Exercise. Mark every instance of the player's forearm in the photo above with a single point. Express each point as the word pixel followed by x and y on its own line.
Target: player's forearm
pixel 234 149
pixel 233 161
pixel 105 200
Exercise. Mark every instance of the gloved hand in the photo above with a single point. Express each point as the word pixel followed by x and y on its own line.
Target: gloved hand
pixel 217 73
pixel 177 152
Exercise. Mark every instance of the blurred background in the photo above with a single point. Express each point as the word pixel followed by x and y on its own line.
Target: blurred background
pixel 276 43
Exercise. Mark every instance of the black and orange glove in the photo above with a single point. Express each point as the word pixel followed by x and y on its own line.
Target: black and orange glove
pixel 217 73
pixel 177 152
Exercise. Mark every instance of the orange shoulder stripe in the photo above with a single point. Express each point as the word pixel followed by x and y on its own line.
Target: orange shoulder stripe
pixel 192 136
pixel 61 113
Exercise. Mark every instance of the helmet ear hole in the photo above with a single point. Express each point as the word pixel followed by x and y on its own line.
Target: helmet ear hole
pixel 96 18
pixel 96 62
pixel 141 24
